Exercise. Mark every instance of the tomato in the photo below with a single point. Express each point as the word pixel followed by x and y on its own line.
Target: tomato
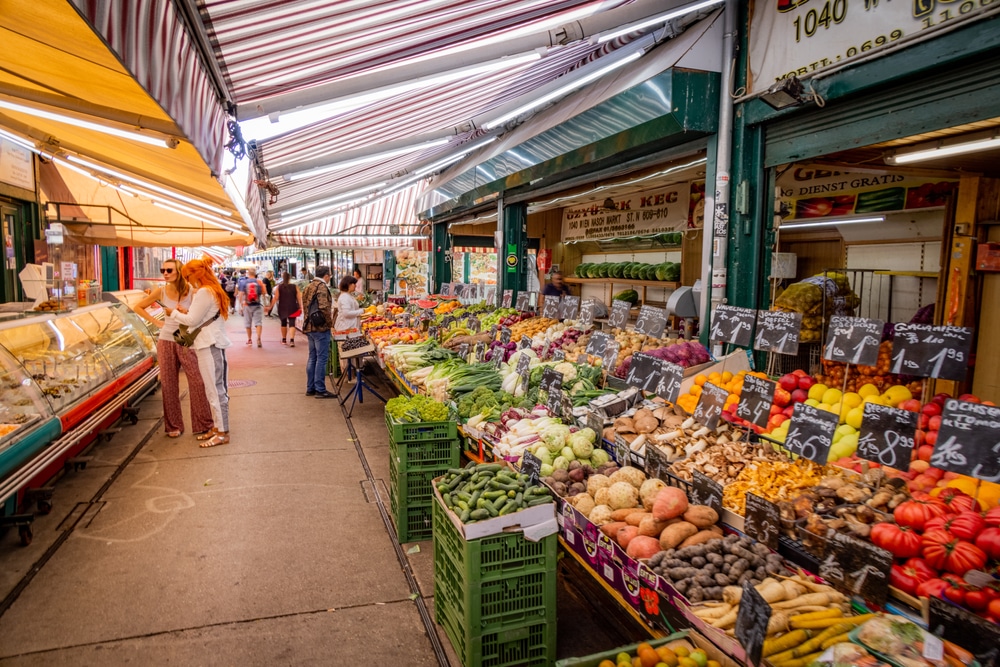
pixel 901 541
pixel 989 541
pixel 910 575
pixel 944 551
pixel 956 594
pixel 993 517
pixel 916 513
pixel 977 600
pixel 994 608
pixel 932 588
pixel 965 525
pixel 958 501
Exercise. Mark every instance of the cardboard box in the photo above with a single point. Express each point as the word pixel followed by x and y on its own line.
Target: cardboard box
pixel 734 362
pixel 536 522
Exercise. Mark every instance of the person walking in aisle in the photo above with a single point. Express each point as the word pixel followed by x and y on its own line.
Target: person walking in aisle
pixel 288 299
pixel 269 283
pixel 251 292
pixel 171 356
pixel 229 285
pixel 208 311
pixel 317 319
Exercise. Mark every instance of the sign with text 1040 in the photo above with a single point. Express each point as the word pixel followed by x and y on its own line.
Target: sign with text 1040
pixel 968 441
pixel 756 400
pixel 620 311
pixel 811 433
pixel 734 325
pixel 853 340
pixel 887 436
pixel 778 331
pixel 931 351
pixel 644 372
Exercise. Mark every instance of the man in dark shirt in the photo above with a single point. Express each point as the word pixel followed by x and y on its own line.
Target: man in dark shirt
pixel 319 335
pixel 556 286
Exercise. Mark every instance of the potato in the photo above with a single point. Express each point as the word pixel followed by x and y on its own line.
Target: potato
pixel 675 534
pixel 702 516
pixel 700 537
pixel 635 518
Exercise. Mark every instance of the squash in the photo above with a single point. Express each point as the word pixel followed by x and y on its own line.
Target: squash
pixel 670 502
pixel 642 547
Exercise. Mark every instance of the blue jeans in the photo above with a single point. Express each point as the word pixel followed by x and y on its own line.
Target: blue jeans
pixel 319 354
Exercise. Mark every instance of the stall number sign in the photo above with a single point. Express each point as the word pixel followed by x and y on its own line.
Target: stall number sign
pixel 669 388
pixel 778 331
pixel 551 379
pixel 811 433
pixel 886 436
pixel 531 466
pixel 507 299
pixel 550 308
pixel 553 400
pixel 480 352
pixel 969 630
pixel 969 440
pixel 644 372
pixel 751 622
pixel 619 314
pixel 706 491
pixel 652 321
pixel 505 335
pixel 733 325
pixel 756 400
pixel 522 301
pixel 597 343
pixel 857 567
pixel 587 310
pixel 569 309
pixel 853 340
pixel 710 405
pixel 763 520
pixel 610 356
pixel 931 351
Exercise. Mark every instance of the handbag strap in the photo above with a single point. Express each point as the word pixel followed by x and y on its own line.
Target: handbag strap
pixel 197 330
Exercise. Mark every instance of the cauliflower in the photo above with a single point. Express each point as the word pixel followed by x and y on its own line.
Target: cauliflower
pixel 568 371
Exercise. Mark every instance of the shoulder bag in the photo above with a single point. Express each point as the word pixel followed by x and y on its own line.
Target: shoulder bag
pixel 185 337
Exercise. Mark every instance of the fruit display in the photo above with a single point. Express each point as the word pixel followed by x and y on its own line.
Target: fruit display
pixel 446 307
pixel 733 383
pixel 676 653
pixel 488 490
pixel 834 373
pixel 772 480
pixel 665 271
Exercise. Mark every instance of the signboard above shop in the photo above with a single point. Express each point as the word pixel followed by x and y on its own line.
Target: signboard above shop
pixel 640 214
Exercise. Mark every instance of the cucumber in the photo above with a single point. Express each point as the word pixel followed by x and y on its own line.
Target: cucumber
pixel 539 500
pixel 479 515
pixel 510 506
pixel 492 510
pixel 446 497
pixel 465 516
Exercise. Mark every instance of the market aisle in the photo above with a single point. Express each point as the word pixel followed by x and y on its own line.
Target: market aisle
pixel 265 551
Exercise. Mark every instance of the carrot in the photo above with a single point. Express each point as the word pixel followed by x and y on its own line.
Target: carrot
pixel 785 642
pixel 956 651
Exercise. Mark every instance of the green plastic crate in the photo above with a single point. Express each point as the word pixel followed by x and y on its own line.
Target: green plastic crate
pixel 416 486
pixel 407 432
pixel 437 455
pixel 595 659
pixel 531 645
pixel 413 520
pixel 487 558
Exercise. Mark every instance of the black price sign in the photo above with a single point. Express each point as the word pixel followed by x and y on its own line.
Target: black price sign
pixel 507 299
pixel 434 332
pixel 490 296
pixel 504 335
pixel 569 308
pixel 756 400
pixel 652 321
pixel 930 351
pixel 597 343
pixel 811 433
pixel 554 400
pixel 567 409
pixel 763 520
pixel 522 301
pixel 778 331
pixel 595 423
pixel 969 440
pixel 856 567
pixel 497 357
pixel 644 372
pixel 473 323
pixel 447 321
pixel 657 464
pixel 531 466
pixel 523 363
pixel 886 436
pixel 853 340
pixel 706 491
pixel 480 352
pixel 669 388
pixel 463 350
pixel 525 343
pixel 550 308
pixel 446 289
pixel 622 451
pixel 619 314
pixel 587 310
pixel 734 325
pixel 966 629
pixel 751 622
pixel 458 290
pixel 710 405
pixel 559 355
pixel 551 378
pixel 610 356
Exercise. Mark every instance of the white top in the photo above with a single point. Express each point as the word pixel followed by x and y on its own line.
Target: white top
pixel 348 312
pixel 203 308
pixel 359 286
pixel 170 321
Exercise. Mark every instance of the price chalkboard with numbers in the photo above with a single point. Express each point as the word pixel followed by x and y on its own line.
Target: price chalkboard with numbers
pixel 853 340
pixel 623 453
pixel 522 301
pixel 857 567
pixel 810 434
pixel 778 332
pixel 551 378
pixel 597 343
pixel 523 369
pixel 763 520
pixel 651 322
pixel 553 400
pixel 463 350
pixel 490 295
pixel 734 325
pixel 671 376
pixel 447 321
pixel 531 466
pixel 505 335
pixel 657 463
pixel 588 308
pixel 706 491
pixel 620 311
pixel 595 423
pixel 473 323
pixel 887 435
pixel 480 352
pixel 644 372
pixel 559 355
pixel 550 307
pixel 610 356
pixel 525 342
pixel 710 405
pixel 756 399
pixel 433 332
pixel 446 289
pixel 567 409
pixel 569 309
pixel 931 351
pixel 497 357
pixel 751 622
pixel 507 299
pixel 970 631
pixel 969 440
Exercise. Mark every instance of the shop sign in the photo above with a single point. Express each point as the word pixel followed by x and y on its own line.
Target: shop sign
pixel 653 212
pixel 799 37
pixel 16 165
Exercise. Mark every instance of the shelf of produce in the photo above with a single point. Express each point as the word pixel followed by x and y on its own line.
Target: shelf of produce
pixel 622 281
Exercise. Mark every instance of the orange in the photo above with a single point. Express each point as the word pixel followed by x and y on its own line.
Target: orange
pixel 606 663
pixel 647 655
pixel 700 380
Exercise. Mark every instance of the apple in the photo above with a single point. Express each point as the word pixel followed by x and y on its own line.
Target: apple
pixel 798 372
pixel 940 398
pixel 775 410
pixel 789 411
pixel 930 438
pixel 910 405
pixel 934 424
pixel 805 382
pixel 800 396
pixel 782 397
pixel 923 421
pixel 924 452
pixel 971 398
pixel 919 437
pixel 931 409
pixel 789 382
pixel 776 421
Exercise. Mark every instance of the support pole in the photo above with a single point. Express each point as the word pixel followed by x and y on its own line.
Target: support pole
pixel 512 252
pixel 440 259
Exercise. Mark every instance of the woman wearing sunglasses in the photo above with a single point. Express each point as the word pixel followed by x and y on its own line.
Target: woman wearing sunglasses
pixel 176 292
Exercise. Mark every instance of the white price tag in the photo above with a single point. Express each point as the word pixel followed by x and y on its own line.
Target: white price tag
pixel 933 647
pixel 609 572
pixel 570 537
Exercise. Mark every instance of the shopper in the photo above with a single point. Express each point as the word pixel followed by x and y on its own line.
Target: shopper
pixel 240 282
pixel 251 292
pixel 171 356
pixel 348 310
pixel 316 298
pixel 208 310
pixel 288 299
pixel 229 285
pixel 268 281
pixel 360 282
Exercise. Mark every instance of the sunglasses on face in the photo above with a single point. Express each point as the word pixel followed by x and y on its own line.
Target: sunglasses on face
pixel 166 271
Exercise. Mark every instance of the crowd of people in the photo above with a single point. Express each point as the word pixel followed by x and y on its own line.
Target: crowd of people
pixel 196 302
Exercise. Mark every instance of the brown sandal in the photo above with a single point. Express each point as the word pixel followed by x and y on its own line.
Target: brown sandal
pixel 207 435
pixel 220 438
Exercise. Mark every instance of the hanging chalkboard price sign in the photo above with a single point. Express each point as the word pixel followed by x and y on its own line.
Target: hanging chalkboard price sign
pixel 644 372
pixel 588 308
pixel 473 323
pixel 524 343
pixel 493 331
pixel 497 357
pixel 619 314
pixel 756 400
pixel 710 405
pixel 751 622
pixel 505 335
pixel 569 309
pixel 522 301
pixel 887 435
pixel 507 299
pixel 597 343
pixel 490 296
pixel 551 378
pixel 553 400
pixel 446 289
pixel 853 340
pixel 811 433
pixel 480 352
pixel 669 387
pixel 657 463
pixel 531 466
pixel 433 332
pixel 523 369
pixel 559 355
pixel 970 631
pixel 968 441
pixel 706 491
pixel 930 351
pixel 652 321
pixel 857 567
pixel 596 423
pixel 610 356
pixel 623 453
pixel 763 520
pixel 550 307
pixel 778 331
pixel 447 321
pixel 731 324
pixel 463 350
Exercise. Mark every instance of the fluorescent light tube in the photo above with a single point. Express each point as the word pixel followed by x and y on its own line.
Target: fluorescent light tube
pixel 563 90
pixel 227 226
pixel 831 222
pixel 364 237
pixel 660 18
pixel 365 159
pixel 88 125
pixel 942 150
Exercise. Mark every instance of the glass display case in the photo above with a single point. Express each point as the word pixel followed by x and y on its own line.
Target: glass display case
pixel 117 332
pixel 21 402
pixel 132 297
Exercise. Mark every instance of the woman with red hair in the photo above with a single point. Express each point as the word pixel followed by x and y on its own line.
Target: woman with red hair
pixel 209 309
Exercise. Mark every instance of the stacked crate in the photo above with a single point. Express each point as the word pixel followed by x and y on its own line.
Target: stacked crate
pixel 495 596
pixel 418 453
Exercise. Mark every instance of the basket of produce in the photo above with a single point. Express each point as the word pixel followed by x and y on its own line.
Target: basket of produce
pixel 418 419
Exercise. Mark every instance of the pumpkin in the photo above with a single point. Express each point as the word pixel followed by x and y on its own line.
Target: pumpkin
pixel 670 503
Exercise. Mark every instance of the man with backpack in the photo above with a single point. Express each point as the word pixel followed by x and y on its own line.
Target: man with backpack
pixel 317 321
pixel 251 291
pixel 228 283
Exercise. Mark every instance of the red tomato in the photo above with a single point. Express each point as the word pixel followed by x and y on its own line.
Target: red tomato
pixel 994 608
pixel 958 501
pixel 989 541
pixel 932 588
pixel 910 575
pixel 977 600
pixel 901 541
pixel 965 525
pixel 917 512
pixel 955 594
pixel 944 551
pixel 993 517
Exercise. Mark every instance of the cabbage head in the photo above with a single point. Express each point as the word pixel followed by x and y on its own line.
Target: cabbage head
pixel 561 463
pixel 599 458
pixel 582 448
pixel 546 470
pixel 555 436
pixel 544 455
pixel 588 433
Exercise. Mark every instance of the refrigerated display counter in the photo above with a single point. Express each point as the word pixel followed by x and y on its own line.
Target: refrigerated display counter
pixel 130 298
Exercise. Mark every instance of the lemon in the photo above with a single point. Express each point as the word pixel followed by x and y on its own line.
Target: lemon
pixel 868 390
pixel 852 399
pixel 878 400
pixel 854 417
pixel 682 652
pixel 817 390
pixel 700 657
pixel 623 657
pixel 896 394
pixel 813 402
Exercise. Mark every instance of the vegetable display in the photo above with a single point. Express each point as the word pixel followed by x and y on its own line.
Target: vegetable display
pixel 416 409
pixel 487 490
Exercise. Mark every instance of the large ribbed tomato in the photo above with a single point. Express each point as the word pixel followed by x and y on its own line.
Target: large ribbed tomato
pixel 993 517
pixel 989 541
pixel 958 501
pixel 944 551
pixel 900 541
pixel 965 525
pixel 917 512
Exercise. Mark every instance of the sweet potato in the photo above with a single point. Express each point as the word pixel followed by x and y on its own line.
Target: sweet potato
pixel 626 534
pixel 717 529
pixel 650 527
pixel 702 516
pixel 622 515
pixel 635 518
pixel 670 502
pixel 612 527
pixel 700 537
pixel 642 547
pixel 675 534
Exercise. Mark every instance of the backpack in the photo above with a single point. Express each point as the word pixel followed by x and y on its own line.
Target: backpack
pixel 316 317
pixel 229 285
pixel 253 294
